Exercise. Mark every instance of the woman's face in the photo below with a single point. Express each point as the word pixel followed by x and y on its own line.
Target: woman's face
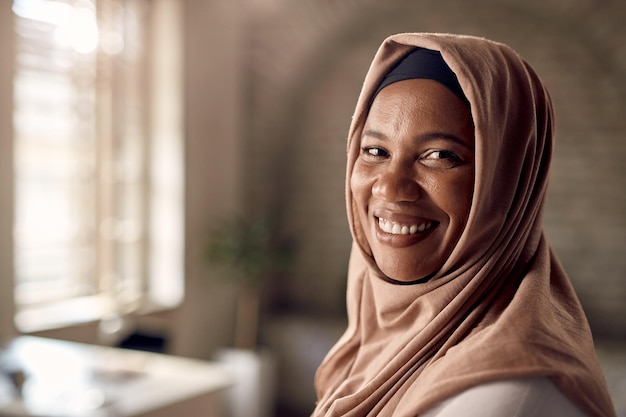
pixel 412 183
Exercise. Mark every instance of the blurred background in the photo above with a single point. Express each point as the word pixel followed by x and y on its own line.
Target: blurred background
pixel 172 171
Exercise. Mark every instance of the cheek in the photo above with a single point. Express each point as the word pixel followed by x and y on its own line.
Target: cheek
pixel 457 198
pixel 360 186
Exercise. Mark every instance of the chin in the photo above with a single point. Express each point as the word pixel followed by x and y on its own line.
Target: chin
pixel 407 274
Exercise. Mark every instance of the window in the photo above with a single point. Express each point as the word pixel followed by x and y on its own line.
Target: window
pixel 97 159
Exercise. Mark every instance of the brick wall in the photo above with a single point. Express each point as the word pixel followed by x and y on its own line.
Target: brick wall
pixel 306 61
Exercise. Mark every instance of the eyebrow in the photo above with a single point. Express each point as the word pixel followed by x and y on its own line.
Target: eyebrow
pixel 423 137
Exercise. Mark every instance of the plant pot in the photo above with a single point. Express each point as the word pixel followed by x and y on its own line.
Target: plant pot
pixel 253 394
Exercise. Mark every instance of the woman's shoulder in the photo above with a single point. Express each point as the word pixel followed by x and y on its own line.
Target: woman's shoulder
pixel 519 397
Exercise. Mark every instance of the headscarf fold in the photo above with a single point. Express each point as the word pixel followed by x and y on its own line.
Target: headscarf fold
pixel 501 306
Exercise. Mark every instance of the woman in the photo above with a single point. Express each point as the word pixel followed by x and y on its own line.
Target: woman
pixel 457 306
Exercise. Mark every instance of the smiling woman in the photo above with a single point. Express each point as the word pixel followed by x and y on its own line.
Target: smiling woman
pixel 412 183
pixel 456 303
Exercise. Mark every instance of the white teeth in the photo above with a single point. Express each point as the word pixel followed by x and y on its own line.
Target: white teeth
pixel 398 229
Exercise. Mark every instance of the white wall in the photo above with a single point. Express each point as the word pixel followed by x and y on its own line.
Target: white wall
pixel 213 90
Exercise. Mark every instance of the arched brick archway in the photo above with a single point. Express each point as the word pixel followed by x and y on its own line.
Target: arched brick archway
pixel 307 61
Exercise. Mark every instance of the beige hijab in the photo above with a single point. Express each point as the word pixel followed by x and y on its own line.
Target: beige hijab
pixel 501 306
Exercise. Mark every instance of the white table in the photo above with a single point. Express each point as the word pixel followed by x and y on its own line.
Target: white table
pixel 66 379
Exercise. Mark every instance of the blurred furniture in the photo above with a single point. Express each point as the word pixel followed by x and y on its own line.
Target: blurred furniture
pixel 299 343
pixel 253 393
pixel 47 377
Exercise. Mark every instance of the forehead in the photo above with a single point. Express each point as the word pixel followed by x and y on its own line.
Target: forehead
pixel 418 104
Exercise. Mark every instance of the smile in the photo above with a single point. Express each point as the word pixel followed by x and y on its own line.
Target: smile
pixel 394 228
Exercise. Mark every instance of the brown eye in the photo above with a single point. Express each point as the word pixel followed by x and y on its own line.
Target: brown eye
pixel 441 159
pixel 441 154
pixel 374 151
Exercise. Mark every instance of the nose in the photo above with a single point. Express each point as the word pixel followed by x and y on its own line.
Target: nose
pixel 398 183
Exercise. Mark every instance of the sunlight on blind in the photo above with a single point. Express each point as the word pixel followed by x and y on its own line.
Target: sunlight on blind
pixel 88 175
pixel 54 157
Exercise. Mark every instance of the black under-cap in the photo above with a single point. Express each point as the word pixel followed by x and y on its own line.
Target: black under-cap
pixel 426 64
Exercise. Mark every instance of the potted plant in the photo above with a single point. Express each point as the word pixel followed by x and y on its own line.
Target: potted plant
pixel 247 251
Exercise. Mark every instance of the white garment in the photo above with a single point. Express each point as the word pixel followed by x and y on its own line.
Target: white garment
pixel 521 397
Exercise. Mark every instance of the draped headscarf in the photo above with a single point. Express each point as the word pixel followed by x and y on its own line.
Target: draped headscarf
pixel 501 306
